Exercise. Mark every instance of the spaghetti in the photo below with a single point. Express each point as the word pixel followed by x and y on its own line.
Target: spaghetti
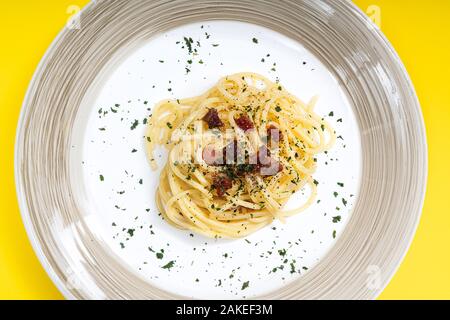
pixel 237 154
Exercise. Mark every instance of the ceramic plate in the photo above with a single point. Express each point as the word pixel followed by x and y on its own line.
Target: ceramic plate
pixel 87 193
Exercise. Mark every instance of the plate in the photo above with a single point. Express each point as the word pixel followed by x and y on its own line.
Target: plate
pixel 86 190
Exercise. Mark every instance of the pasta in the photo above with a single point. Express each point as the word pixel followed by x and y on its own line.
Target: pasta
pixel 236 154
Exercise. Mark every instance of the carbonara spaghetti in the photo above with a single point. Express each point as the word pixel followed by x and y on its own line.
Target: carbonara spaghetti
pixel 237 154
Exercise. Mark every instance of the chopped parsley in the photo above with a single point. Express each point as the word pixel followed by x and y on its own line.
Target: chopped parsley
pixel 189 42
pixel 134 124
pixel 336 219
pixel 169 265
pixel 292 264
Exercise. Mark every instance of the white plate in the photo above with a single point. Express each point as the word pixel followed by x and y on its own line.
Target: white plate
pixel 100 239
pixel 124 202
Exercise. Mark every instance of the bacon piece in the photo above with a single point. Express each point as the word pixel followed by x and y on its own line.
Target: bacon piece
pixel 264 156
pixel 265 164
pixel 274 135
pixel 212 119
pixel 212 156
pixel 277 166
pixel 244 122
pixel 228 155
pixel 261 158
pixel 222 183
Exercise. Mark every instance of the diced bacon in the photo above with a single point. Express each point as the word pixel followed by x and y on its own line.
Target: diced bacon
pixel 261 158
pixel 228 155
pixel 244 122
pixel 265 164
pixel 221 184
pixel 264 156
pixel 212 156
pixel 274 135
pixel 212 119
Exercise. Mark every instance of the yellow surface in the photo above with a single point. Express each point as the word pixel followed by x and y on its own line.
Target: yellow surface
pixel 419 30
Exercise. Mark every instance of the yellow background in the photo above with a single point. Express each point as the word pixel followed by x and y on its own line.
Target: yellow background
pixel 419 30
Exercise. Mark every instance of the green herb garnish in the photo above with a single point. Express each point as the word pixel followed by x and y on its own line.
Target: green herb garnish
pixel 169 265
